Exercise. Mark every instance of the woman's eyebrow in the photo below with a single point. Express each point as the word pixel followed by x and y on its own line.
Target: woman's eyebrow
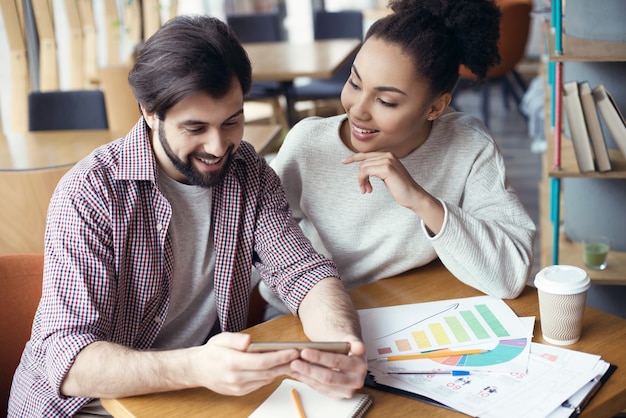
pixel 380 88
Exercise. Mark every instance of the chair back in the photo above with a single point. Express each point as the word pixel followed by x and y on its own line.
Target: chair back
pixel 346 24
pixel 20 292
pixel 66 110
pixel 262 27
pixel 24 207
pixel 257 27
pixel 514 29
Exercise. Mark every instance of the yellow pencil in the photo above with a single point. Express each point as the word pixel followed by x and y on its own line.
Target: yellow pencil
pixel 296 401
pixel 432 354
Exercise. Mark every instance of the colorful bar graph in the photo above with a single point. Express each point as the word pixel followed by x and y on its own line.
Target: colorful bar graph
pixel 475 323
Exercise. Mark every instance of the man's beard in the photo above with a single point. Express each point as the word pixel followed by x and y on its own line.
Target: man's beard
pixel 187 169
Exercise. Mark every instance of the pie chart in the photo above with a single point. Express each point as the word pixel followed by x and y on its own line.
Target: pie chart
pixel 506 350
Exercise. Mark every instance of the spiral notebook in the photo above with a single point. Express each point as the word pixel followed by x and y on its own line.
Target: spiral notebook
pixel 316 405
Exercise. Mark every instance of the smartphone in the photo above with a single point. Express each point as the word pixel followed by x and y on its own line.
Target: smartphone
pixel 332 346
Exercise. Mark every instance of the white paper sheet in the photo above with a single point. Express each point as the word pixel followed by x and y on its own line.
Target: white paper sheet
pixel 554 374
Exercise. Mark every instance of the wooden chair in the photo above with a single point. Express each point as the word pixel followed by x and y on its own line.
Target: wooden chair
pixel 122 108
pixel 514 30
pixel 20 291
pixel 256 311
pixel 24 206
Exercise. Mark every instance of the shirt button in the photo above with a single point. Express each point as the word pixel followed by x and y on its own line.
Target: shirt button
pixel 157 319
pixel 159 227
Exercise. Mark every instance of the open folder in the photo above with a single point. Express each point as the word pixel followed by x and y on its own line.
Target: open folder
pixel 571 408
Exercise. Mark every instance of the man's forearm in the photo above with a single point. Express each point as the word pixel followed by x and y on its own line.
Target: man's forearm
pixel 105 370
pixel 327 312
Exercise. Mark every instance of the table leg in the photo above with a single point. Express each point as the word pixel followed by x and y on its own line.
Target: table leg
pixel 290 101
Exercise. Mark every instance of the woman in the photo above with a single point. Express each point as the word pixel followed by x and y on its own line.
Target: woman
pixel 402 179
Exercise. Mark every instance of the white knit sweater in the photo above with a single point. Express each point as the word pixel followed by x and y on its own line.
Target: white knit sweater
pixel 487 237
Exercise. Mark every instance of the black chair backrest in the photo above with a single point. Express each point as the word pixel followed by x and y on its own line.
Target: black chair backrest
pixel 346 24
pixel 66 110
pixel 257 27
pixel 333 25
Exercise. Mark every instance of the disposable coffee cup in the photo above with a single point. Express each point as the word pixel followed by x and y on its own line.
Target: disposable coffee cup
pixel 562 292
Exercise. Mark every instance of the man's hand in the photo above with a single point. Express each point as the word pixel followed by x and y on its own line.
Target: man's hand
pixel 224 366
pixel 107 370
pixel 336 375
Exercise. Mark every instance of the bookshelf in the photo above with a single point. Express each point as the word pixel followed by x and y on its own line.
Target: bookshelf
pixel 559 160
pixel 571 251
pixel 569 168
pixel 578 49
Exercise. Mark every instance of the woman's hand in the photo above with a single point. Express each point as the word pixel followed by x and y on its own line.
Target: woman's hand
pixel 399 184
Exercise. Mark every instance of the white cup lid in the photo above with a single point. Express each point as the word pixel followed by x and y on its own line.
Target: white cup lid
pixel 562 280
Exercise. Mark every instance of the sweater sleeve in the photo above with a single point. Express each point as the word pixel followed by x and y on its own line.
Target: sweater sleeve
pixel 487 239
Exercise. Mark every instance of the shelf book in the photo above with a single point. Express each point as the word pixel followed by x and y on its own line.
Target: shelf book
pixel 612 116
pixel 577 127
pixel 600 151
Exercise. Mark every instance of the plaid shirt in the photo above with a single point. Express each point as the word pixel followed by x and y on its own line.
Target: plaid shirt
pixel 108 261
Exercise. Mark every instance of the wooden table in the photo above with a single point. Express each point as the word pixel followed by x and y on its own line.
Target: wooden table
pixel 286 61
pixel 46 149
pixel 603 334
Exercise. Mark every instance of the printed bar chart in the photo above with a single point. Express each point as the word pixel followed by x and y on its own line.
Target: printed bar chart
pixel 457 327
pixel 444 324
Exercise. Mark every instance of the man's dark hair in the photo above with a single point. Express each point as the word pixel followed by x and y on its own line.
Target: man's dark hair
pixel 187 55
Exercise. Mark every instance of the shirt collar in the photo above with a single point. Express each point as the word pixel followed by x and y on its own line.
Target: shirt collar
pixel 137 160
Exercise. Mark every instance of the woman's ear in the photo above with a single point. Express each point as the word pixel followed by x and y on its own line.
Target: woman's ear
pixel 438 106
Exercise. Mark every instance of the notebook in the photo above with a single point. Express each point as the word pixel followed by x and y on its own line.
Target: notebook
pixel 316 405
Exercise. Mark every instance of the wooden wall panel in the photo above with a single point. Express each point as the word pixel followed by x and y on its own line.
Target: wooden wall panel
pixel 112 33
pixel 151 17
pixel 18 63
pixel 132 31
pixel 48 64
pixel 90 42
pixel 75 66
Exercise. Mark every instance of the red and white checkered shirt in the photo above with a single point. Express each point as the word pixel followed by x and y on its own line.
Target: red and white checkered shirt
pixel 108 261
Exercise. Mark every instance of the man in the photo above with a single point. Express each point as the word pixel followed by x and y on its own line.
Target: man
pixel 150 242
